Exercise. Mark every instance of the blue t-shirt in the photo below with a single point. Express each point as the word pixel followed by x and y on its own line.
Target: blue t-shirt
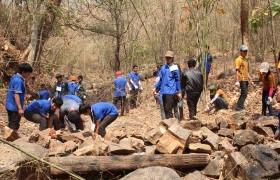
pixel 170 82
pixel 207 62
pixel 135 77
pixel 120 83
pixel 73 88
pixel 16 86
pixel 75 98
pixel 45 94
pixel 42 107
pixel 102 109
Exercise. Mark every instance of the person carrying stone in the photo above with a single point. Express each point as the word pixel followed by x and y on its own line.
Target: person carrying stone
pixel 269 88
pixel 194 87
pixel 15 101
pixel 135 86
pixel 121 86
pixel 169 85
pixel 44 112
pixel 102 114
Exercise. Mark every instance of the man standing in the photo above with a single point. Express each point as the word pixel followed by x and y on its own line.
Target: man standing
pixel 194 87
pixel 44 112
pixel 169 84
pixel 102 114
pixel 81 88
pixel 15 101
pixel 60 88
pixel 135 85
pixel 121 86
pixel 207 60
pixel 242 76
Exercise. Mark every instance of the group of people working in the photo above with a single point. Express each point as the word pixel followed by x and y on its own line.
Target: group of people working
pixel 67 107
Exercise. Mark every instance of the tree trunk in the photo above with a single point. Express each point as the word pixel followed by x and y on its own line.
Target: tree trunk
pixel 84 164
pixel 41 28
pixel 117 54
pixel 244 16
pixel 273 37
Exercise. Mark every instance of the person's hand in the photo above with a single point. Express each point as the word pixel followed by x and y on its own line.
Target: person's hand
pixel 237 83
pixel 21 112
pixel 136 87
pixel 179 95
pixel 94 135
pixel 141 88
pixel 129 89
pixel 270 99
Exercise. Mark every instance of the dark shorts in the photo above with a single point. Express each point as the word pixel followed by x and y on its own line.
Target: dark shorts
pixel 13 120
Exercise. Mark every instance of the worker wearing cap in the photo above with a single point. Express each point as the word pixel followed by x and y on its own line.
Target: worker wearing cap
pixel 81 88
pixel 73 87
pixel 242 76
pixel 218 98
pixel 269 87
pixel 121 87
pixel 169 84
pixel 60 88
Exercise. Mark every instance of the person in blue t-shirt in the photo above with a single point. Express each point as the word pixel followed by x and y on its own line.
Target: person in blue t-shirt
pixel 15 101
pixel 44 112
pixel 135 86
pixel 102 114
pixel 44 94
pixel 121 87
pixel 169 84
pixel 72 86
pixel 207 60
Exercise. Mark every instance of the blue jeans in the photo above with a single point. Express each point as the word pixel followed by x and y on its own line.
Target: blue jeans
pixel 220 103
pixel 265 94
pixel 279 124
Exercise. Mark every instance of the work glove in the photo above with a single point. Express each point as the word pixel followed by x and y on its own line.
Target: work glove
pixel 129 89
pixel 136 87
pixel 237 84
pixel 141 88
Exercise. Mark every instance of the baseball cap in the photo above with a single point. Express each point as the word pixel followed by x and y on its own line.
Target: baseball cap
pixel 264 67
pixel 212 89
pixel 243 48
pixel 169 54
pixel 73 78
pixel 118 73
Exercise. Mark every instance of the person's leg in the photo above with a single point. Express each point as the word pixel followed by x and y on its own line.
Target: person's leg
pixel 195 100
pixel 191 107
pixel 136 98
pixel 126 105
pixel 243 95
pixel 106 122
pixel 132 99
pixel 176 114
pixel 122 99
pixel 181 109
pixel 168 104
pixel 279 125
pixel 264 101
pixel 13 120
pixel 115 101
pixel 220 104
pixel 36 118
pixel 56 122
pixel 270 109
pixel 162 112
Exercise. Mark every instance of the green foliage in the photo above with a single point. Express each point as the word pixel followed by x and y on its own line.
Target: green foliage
pixel 260 13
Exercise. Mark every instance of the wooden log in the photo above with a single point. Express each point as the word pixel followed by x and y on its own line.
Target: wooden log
pixel 83 164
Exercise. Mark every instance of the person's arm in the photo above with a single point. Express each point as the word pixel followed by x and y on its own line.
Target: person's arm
pixel 158 83
pixel 214 99
pixel 97 126
pixel 20 108
pixel 51 118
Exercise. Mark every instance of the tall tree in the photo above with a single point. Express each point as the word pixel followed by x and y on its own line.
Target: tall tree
pixel 244 17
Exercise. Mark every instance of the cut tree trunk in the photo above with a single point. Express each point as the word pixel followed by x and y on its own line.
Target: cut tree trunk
pixel 244 16
pixel 118 163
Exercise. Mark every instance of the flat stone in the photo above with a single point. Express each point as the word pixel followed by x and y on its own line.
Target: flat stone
pixel 120 149
pixel 155 173
pixel 180 132
pixel 244 137
pixel 238 124
pixel 40 137
pixel 212 126
pixel 149 150
pixel 70 146
pixel 226 146
pixel 218 154
pixel 170 144
pixel 75 137
pixel 168 122
pixel 212 139
pixel 196 137
pixel 221 122
pixel 153 135
pixel 265 131
pixel 226 133
pixel 193 125
pixel 214 168
pixel 196 175
pixel 200 148
pixel 275 146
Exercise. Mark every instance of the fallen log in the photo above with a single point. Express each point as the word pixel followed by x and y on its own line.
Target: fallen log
pixel 83 164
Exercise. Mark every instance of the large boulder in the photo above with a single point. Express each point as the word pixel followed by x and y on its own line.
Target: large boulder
pixel 244 137
pixel 154 173
pixel 212 139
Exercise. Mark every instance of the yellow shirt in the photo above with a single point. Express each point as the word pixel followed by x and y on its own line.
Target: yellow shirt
pixel 278 66
pixel 242 65
pixel 269 82
pixel 223 95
